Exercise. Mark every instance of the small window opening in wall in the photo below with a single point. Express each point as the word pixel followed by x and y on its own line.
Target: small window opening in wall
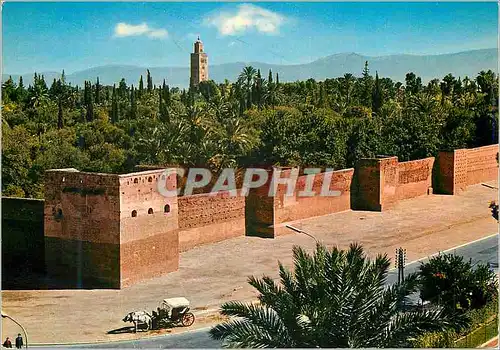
pixel 63 179
pixel 150 179
pixel 59 212
pixel 136 181
pixel 166 208
pixel 81 181
pixel 134 213
pixel 150 211
pixel 128 183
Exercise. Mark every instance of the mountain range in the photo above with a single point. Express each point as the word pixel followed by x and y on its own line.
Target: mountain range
pixel 428 67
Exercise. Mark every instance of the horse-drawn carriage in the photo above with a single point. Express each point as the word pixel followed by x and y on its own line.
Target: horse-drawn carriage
pixel 174 311
pixel 171 312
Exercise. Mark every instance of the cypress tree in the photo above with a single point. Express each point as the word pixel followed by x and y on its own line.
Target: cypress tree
pixel 150 81
pixel 133 104
pixel 85 93
pixel 60 120
pixel 97 92
pixel 168 97
pixel 141 86
pixel 277 79
pixel 270 77
pixel 20 91
pixel 258 90
pixel 89 103
pixel 114 106
pixel 377 99
pixel 366 94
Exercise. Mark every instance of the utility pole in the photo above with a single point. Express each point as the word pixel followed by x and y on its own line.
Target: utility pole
pixel 400 263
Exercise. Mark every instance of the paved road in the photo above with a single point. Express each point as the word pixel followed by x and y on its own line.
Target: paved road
pixel 485 250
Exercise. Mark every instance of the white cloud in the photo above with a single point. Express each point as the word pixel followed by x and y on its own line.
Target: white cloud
pixel 125 29
pixel 246 17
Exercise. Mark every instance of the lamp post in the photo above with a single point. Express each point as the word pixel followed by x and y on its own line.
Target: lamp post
pixel 300 231
pixel 4 315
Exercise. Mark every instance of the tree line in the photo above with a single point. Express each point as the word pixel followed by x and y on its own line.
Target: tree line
pixel 252 121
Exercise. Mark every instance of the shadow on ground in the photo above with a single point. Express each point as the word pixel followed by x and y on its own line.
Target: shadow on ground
pixel 23 276
pixel 128 329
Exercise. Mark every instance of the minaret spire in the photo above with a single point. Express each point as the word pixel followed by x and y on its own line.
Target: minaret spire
pixel 199 64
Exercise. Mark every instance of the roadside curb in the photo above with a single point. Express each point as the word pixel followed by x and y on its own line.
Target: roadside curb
pixel 486 345
pixel 214 311
pixel 201 313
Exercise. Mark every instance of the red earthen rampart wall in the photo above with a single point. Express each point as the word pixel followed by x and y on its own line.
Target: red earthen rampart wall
pixel 482 164
pixel 389 180
pixel 118 229
pixel 208 218
pixel 297 207
pixel 367 186
pixel 462 167
pixel 415 178
pixel 149 239
pixel 82 227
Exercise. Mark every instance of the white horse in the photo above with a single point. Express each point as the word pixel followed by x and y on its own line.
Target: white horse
pixel 139 317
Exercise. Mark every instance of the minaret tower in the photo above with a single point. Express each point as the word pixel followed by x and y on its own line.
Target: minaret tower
pixel 199 64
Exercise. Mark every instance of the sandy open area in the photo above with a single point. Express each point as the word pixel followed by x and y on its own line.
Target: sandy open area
pixel 211 274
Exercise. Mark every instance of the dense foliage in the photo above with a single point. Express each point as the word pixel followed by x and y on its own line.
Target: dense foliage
pixel 251 121
pixel 332 299
pixel 457 284
pixel 479 320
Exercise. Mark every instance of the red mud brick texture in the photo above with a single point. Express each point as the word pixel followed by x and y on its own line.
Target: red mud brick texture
pixel 207 218
pixel 296 207
pixel 389 179
pixel 82 206
pixel 150 257
pixel 459 171
pixel 260 212
pixel 482 165
pixel 415 178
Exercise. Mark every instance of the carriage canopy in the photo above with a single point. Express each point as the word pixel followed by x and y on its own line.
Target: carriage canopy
pixel 175 302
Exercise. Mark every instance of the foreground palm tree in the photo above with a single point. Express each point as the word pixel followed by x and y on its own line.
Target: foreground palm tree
pixel 333 299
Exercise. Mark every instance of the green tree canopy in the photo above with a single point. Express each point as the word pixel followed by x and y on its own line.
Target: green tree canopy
pixel 334 298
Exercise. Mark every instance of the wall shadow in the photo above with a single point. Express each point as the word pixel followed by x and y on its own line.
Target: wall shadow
pixel 23 276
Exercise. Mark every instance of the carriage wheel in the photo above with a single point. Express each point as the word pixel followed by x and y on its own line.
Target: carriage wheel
pixel 187 319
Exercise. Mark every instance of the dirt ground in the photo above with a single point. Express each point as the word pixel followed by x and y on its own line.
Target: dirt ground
pixel 211 274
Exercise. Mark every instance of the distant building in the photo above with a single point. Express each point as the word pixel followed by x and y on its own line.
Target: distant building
pixel 199 64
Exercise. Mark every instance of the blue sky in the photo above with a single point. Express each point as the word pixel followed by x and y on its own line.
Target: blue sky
pixel 76 36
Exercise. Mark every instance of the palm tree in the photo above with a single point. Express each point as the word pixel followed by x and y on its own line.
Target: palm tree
pixel 332 299
pixel 233 140
pixel 347 87
pixel 424 103
pixel 272 95
pixel 246 79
